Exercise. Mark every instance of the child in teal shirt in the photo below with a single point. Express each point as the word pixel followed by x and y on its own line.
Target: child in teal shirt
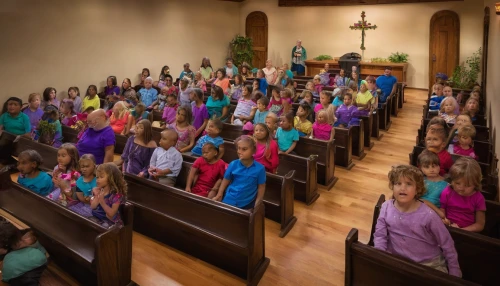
pixel 31 177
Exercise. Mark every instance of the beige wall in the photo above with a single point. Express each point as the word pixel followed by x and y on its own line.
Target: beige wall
pixel 493 85
pixel 404 27
pixel 64 43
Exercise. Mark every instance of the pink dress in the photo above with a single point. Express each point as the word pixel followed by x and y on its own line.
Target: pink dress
pixel 457 149
pixel 322 131
pixel 184 135
pixel 273 161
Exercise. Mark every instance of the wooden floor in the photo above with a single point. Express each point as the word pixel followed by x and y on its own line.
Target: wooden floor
pixel 313 252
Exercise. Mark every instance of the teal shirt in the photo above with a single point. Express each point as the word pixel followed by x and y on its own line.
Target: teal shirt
pixel 41 184
pixel 434 190
pixel 215 106
pixel 18 125
pixel 286 138
pixel 85 187
pixel 289 73
pixel 18 262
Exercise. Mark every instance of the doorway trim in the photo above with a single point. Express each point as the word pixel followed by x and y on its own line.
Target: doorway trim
pixel 437 15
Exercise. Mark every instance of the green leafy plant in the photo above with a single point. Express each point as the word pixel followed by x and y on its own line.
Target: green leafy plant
pixel 398 57
pixel 241 50
pixel 379 60
pixel 46 132
pixel 465 75
pixel 323 58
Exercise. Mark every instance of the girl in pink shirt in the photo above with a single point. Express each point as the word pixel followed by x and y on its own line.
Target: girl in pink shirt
pixel 462 202
pixel 325 104
pixel 267 148
pixel 321 129
pixel 409 228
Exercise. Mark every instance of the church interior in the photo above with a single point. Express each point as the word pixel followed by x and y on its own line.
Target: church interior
pixel 80 43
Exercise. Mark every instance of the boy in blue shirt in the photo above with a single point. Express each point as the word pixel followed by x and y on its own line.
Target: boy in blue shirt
pixel 214 128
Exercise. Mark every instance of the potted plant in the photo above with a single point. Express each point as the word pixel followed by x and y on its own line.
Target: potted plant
pixel 398 57
pixel 241 50
pixel 46 132
pixel 465 75
pixel 323 58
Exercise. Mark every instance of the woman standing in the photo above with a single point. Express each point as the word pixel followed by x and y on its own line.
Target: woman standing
pixel 299 55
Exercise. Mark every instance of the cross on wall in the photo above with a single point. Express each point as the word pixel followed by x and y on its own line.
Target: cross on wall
pixel 363 26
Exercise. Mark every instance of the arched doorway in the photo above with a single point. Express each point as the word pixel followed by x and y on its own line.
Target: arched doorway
pixel 444 44
pixel 256 28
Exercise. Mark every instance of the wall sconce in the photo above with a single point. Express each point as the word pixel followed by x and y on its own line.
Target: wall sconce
pixel 497 8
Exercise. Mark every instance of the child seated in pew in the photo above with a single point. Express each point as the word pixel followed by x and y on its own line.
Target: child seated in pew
pixel 91 98
pixel 170 110
pixel 243 112
pixel 428 162
pixel 236 90
pixel 322 130
pixel 84 185
pixel 300 121
pixel 310 87
pixel 472 106
pixel 261 110
pixel 261 79
pixel 436 141
pixel 205 176
pixel 68 114
pixel 449 109
pixel 272 123
pixel 277 103
pixel 33 110
pixel 324 100
pixel 464 145
pixel 286 135
pixel 462 202
pixel 409 228
pixel 436 97
pixel 166 161
pixel 65 174
pixel 13 120
pixel 74 94
pixel 214 128
pixel 244 181
pixel 318 87
pixel 199 110
pixel 364 100
pixel 110 193
pixel 31 177
pixel 345 112
pixel 185 131
pixel 266 151
pixel 25 258
pixel 138 150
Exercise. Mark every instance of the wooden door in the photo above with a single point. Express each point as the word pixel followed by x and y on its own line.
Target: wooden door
pixel 444 45
pixel 256 28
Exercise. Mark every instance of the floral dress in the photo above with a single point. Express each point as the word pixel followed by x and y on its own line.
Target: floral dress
pixel 184 135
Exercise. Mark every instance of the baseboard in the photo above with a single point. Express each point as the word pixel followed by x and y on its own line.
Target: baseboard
pixel 416 88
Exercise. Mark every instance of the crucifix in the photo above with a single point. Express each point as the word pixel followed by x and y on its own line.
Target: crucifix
pixel 363 26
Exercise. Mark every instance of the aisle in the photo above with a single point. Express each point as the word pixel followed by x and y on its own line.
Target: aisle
pixel 313 252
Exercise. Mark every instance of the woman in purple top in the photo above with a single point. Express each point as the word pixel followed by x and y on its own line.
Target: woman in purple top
pixel 98 139
pixel 138 150
pixel 111 87
pixel 409 228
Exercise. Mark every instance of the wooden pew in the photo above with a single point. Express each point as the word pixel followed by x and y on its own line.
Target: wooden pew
pixel 365 265
pixel 478 255
pixel 343 147
pixel 482 132
pixel 367 126
pixel 278 198
pixel 358 140
pixel 384 115
pixel 376 126
pixel 305 148
pixel 401 94
pixel 304 180
pixel 227 237
pixel 91 253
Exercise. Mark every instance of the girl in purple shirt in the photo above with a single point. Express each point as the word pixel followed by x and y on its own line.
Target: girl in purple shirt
pixel 200 111
pixel 409 228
